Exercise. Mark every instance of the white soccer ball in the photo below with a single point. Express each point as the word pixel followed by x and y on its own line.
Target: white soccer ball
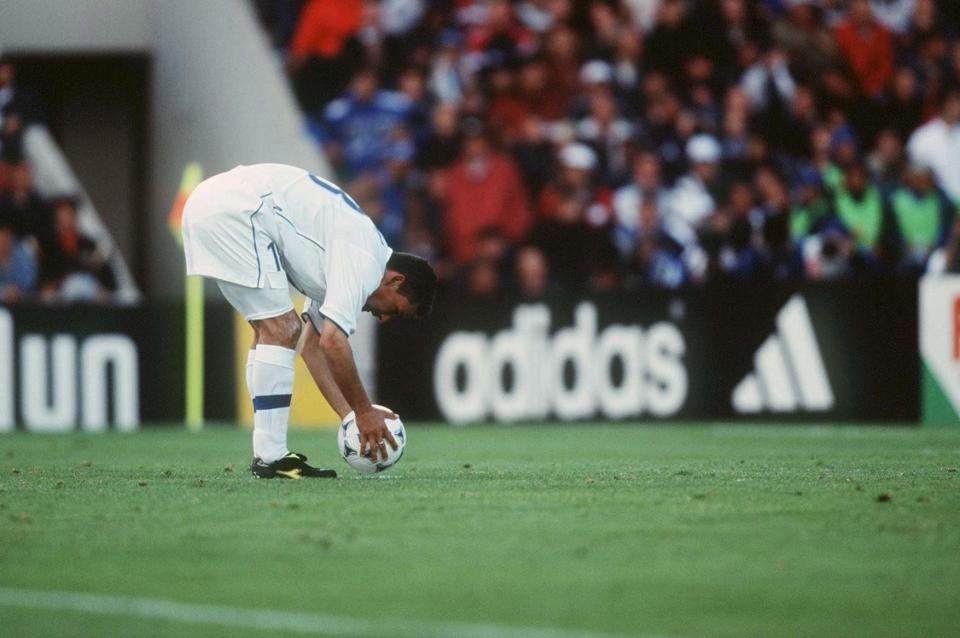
pixel 348 440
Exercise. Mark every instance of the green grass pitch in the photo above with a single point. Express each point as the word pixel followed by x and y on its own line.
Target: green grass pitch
pixel 544 531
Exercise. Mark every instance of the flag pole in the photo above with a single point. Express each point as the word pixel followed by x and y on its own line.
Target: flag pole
pixel 194 353
pixel 193 309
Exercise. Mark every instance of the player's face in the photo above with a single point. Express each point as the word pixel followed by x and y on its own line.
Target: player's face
pixel 386 303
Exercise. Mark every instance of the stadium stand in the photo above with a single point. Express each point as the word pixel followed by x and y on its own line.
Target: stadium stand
pixel 659 143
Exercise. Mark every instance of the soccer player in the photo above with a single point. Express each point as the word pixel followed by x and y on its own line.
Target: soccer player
pixel 259 229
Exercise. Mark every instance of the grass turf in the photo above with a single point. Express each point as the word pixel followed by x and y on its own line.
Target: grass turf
pixel 668 530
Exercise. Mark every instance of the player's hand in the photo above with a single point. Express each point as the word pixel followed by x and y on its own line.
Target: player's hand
pixel 374 433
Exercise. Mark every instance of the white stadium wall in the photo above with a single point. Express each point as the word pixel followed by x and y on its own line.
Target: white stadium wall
pixel 75 25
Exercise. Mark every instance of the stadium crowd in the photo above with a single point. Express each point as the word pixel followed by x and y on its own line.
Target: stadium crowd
pixel 44 255
pixel 537 145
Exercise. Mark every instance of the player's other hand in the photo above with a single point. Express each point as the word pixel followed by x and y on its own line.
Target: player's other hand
pixel 374 433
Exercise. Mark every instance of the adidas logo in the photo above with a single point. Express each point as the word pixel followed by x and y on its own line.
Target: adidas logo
pixel 788 373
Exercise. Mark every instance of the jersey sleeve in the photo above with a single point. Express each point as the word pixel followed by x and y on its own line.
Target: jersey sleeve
pixel 351 277
pixel 311 313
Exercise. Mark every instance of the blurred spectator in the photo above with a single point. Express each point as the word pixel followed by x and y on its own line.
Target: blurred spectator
pixel 411 84
pixel 499 40
pixel 486 275
pixel 844 151
pixel 886 160
pixel 903 110
pixel 482 279
pixel 16 99
pixel 359 128
pixel 21 208
pixel 769 79
pixel 860 208
pixel 580 255
pixel 923 215
pixel 805 38
pixel 445 80
pixel 867 46
pixel 655 260
pixel 18 268
pixel 482 189
pixel 692 199
pixel 626 61
pixel 812 207
pixel 781 259
pixel 730 239
pixel 937 144
pixel 507 110
pixel 561 48
pixel 325 52
pixel 646 186
pixel 532 274
pixel 535 155
pixel 442 145
pixel 578 163
pixel 383 193
pixel 672 40
pixel 397 23
pixel 11 141
pixel 606 130
pixel 73 268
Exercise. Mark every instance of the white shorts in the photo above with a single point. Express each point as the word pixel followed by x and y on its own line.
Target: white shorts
pixel 228 231
pixel 256 303
pixel 225 237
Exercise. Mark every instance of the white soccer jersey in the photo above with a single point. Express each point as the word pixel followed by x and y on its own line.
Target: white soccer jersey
pixel 263 225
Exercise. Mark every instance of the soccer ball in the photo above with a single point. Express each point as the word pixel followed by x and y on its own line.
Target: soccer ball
pixel 348 440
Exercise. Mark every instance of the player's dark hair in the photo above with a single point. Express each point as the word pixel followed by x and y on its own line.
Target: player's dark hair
pixel 420 283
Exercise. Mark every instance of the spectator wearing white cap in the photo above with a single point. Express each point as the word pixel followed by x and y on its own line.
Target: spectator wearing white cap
pixel 691 200
pixel 578 163
pixel 595 76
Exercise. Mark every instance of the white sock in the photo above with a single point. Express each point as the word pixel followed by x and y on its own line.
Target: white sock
pixel 272 382
pixel 251 355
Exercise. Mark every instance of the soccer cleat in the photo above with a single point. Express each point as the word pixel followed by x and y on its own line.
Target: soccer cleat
pixel 292 466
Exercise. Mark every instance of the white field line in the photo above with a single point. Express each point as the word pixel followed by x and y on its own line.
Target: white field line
pixel 270 619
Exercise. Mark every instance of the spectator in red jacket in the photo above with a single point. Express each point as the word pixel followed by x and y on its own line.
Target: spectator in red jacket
pixel 867 47
pixel 324 52
pixel 483 190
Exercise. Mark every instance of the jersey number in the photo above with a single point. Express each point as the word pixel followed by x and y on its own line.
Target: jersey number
pixel 272 247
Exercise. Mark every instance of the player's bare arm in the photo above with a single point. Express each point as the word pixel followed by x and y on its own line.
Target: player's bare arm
pixel 335 348
pixel 316 362
pixel 317 365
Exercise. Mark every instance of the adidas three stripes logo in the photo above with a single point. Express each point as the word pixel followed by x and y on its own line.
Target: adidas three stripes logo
pixel 789 374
